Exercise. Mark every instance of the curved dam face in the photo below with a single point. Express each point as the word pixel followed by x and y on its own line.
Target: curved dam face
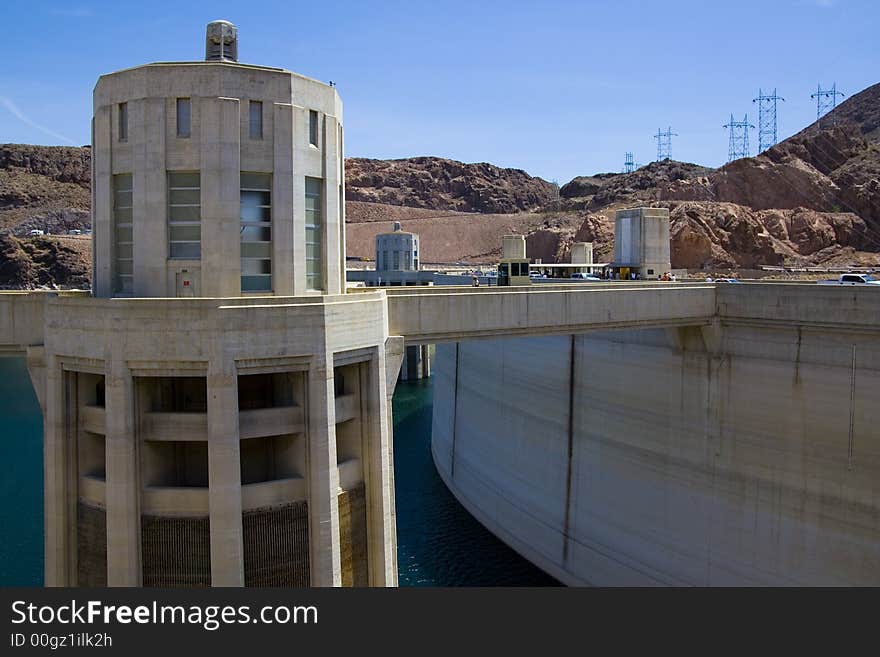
pixel 739 455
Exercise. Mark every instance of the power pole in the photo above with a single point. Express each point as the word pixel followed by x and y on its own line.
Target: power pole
pixel 739 138
pixel 826 100
pixel 766 119
pixel 664 143
pixel 628 164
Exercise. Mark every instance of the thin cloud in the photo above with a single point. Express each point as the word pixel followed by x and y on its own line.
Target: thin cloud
pixel 21 116
pixel 824 3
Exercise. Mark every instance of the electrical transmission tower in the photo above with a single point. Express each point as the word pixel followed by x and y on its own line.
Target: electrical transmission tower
pixel 664 143
pixel 628 164
pixel 739 138
pixel 826 100
pixel 766 119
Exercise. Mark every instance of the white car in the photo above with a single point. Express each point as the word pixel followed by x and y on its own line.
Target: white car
pixel 36 231
pixel 580 276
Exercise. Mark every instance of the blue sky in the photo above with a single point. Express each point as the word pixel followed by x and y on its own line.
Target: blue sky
pixel 556 88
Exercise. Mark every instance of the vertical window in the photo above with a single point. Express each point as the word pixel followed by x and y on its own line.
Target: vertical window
pixel 123 121
pixel 256 232
pixel 314 210
pixel 313 127
pixel 396 260
pixel 256 119
pixel 184 215
pixel 122 233
pixel 183 117
pixel 406 260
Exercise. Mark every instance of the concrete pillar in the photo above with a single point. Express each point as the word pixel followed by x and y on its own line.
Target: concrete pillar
pixel 149 197
pixel 300 127
pixel 224 475
pixel 379 474
pixel 122 478
pixel 283 265
pixel 220 197
pixel 323 475
pixel 394 350
pixel 426 361
pixel 333 245
pixel 56 571
pixel 102 208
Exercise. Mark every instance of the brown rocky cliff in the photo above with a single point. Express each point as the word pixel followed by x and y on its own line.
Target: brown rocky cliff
pixel 441 184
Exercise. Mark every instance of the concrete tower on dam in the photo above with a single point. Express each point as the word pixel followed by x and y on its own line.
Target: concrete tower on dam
pixel 213 414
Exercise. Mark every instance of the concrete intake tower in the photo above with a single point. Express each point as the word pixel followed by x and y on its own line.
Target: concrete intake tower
pixel 212 416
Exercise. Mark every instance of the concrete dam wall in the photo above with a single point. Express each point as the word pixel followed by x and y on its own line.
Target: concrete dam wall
pixel 734 455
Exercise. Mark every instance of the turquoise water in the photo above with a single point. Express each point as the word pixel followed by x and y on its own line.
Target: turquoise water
pixel 439 543
pixel 21 478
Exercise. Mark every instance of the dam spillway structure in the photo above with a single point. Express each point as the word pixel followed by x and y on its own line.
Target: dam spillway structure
pixel 213 416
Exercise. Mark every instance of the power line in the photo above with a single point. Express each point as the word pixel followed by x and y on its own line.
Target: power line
pixel 739 138
pixel 766 119
pixel 664 143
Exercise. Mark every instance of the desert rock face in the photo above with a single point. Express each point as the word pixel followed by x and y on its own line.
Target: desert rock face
pixel 440 184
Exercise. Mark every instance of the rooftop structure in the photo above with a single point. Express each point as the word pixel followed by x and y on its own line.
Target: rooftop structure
pixel 641 242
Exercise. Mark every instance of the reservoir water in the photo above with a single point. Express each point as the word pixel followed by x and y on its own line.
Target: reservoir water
pixel 439 543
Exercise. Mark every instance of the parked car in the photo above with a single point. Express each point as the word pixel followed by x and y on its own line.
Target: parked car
pixel 580 276
pixel 852 279
pixel 74 231
pixel 536 274
pixel 726 280
pixel 35 231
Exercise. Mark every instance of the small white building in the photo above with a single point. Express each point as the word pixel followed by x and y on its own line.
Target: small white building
pixel 397 250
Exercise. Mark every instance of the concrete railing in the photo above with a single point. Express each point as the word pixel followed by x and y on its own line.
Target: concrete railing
pixel 350 473
pixel 93 490
pixel 174 426
pixel 269 493
pixel 852 308
pixel 441 314
pixel 346 408
pixel 93 419
pixel 277 421
pixel 175 501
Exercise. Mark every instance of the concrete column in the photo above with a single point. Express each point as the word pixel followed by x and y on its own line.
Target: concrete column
pixel 334 271
pixel 150 204
pixel 394 350
pixel 283 264
pixel 300 130
pixel 55 452
pixel 123 483
pixel 426 361
pixel 379 475
pixel 224 475
pixel 102 208
pixel 220 197
pixel 323 475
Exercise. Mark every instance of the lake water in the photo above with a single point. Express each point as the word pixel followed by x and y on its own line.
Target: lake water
pixel 439 543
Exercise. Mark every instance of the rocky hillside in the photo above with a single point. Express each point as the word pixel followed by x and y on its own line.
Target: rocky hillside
pixel 44 187
pixel 440 184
